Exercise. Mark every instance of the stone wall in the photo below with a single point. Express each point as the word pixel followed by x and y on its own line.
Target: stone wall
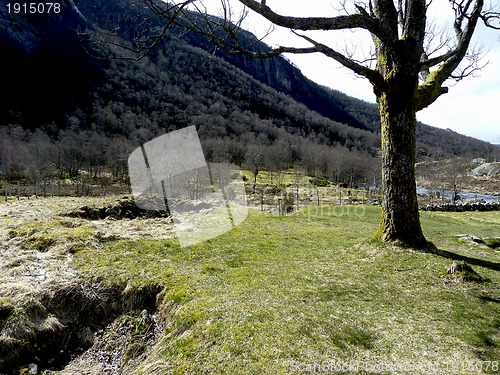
pixel 462 207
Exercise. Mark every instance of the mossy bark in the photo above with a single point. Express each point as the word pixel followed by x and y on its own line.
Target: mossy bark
pixel 397 105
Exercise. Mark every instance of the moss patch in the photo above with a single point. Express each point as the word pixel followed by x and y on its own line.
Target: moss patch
pixel 69 236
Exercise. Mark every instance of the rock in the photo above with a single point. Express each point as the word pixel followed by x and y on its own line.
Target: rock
pixel 471 238
pixel 113 211
pixel 33 369
pixel 488 169
pixel 448 207
pixel 476 239
pixel 478 161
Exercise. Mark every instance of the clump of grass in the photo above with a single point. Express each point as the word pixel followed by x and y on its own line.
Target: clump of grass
pixel 6 309
pixel 141 324
pixel 39 241
pixel 348 336
pixel 28 321
pixel 136 225
pixel 494 243
pixel 120 343
pixel 134 349
pixel 464 272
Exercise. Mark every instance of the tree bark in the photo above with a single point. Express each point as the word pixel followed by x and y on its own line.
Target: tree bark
pixel 400 215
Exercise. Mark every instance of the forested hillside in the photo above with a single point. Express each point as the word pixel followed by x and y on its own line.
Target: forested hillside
pixel 67 112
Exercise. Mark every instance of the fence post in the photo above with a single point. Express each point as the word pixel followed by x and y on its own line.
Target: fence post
pixel 297 198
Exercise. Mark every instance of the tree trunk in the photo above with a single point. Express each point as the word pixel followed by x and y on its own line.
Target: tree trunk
pixel 400 215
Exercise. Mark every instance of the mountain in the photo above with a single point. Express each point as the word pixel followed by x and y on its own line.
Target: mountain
pixel 46 70
pixel 261 113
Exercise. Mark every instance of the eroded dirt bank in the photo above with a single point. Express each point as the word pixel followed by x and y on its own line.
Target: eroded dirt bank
pixel 52 319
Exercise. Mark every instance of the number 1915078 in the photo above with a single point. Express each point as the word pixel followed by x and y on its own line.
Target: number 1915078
pixel 34 8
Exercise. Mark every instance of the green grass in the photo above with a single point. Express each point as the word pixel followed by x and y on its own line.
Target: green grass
pixel 288 177
pixel 313 287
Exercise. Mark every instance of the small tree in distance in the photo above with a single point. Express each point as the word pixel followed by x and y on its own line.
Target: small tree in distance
pixel 407 71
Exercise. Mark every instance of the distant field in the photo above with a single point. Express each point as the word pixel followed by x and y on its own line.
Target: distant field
pixel 276 295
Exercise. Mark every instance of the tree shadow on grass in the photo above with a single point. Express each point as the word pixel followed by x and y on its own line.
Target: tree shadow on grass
pixel 433 249
pixel 490 299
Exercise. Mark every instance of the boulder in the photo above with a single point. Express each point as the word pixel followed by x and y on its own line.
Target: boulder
pixel 486 169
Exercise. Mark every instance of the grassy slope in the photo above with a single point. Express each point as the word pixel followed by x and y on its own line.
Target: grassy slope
pixel 312 287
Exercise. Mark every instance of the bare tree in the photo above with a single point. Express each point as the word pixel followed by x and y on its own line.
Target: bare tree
pixel 406 76
pixel 254 161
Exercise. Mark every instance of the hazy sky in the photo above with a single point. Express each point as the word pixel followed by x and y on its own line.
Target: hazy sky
pixel 471 107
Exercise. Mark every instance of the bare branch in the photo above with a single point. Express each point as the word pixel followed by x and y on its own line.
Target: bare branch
pixel 432 88
pixel 464 38
pixel 226 36
pixel 373 75
pixel 461 9
pixel 437 39
pixel 474 65
pixel 139 41
pixel 361 20
pixel 429 63
pixel 237 50
pixel 491 19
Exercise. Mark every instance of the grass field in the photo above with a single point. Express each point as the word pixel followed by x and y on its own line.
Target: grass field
pixel 282 294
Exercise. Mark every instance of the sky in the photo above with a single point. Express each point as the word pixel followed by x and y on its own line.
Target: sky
pixel 471 107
